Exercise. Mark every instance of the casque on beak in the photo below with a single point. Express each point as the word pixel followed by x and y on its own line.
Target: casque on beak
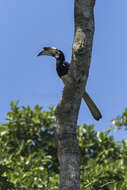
pixel 50 51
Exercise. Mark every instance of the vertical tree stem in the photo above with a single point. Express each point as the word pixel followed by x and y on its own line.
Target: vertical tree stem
pixel 68 108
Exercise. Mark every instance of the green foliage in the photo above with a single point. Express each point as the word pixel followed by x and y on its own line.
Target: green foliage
pixel 103 161
pixel 28 156
pixel 121 121
pixel 28 148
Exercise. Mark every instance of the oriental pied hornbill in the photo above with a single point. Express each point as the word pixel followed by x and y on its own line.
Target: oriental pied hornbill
pixel 62 68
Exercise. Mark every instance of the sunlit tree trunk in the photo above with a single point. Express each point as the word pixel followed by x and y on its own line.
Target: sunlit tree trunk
pixel 68 107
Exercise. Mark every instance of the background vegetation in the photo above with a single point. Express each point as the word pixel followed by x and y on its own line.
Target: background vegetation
pixel 28 156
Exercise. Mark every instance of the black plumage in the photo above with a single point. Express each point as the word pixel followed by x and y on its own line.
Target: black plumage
pixel 62 68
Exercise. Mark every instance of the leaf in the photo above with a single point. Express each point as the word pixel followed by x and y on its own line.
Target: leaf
pixel 3 129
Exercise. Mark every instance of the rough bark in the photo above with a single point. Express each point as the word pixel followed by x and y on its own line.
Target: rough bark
pixel 68 108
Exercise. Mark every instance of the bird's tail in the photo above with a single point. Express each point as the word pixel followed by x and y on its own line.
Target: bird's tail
pixel 92 106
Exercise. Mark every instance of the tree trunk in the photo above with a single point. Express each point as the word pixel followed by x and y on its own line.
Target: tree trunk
pixel 68 108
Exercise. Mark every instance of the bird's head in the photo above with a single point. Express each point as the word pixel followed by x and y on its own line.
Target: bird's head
pixel 54 52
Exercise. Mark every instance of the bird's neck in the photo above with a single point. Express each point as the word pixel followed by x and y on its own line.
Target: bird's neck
pixel 59 62
pixel 61 68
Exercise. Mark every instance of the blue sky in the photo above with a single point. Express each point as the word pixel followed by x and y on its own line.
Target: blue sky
pixel 27 26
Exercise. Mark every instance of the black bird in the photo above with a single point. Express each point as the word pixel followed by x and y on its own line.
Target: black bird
pixel 62 68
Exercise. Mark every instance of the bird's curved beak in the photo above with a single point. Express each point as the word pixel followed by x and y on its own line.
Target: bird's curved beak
pixel 50 51
pixel 43 52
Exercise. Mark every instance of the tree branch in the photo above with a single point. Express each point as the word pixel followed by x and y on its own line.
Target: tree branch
pixel 68 108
